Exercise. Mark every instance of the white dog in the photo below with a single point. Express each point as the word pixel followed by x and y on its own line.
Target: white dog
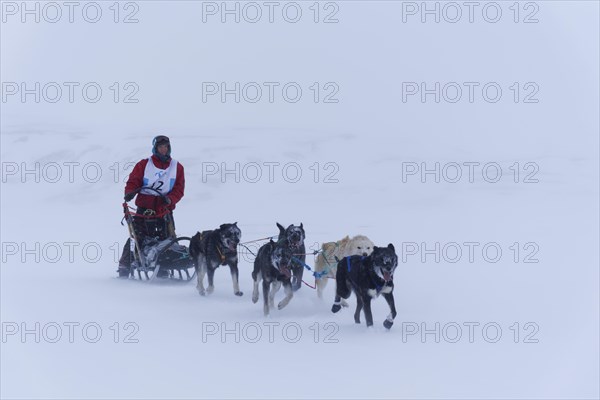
pixel 359 245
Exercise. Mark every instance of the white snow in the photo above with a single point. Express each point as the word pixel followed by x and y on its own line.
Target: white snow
pixel 187 346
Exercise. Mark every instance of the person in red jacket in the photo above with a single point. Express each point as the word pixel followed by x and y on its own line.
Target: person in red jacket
pixel 166 179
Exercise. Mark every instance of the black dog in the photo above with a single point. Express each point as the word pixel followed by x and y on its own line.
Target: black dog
pixel 210 249
pixel 294 235
pixel 368 277
pixel 272 265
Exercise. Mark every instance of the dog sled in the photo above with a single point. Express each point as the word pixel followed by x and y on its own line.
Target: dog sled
pixel 153 258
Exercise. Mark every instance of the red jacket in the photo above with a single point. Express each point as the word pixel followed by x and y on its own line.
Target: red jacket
pixel 136 178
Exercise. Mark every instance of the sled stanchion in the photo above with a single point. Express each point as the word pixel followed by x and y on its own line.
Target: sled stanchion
pixel 172 268
pixel 175 257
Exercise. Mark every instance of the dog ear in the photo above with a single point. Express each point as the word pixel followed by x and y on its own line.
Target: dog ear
pixel 301 226
pixel 281 228
pixel 391 247
pixel 235 223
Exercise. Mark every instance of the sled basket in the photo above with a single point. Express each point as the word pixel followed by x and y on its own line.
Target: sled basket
pixel 168 254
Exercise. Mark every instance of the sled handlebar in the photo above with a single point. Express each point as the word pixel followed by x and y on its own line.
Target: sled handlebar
pixel 153 189
pixel 165 207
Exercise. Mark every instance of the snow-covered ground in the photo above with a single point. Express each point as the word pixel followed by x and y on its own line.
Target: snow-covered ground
pixel 522 323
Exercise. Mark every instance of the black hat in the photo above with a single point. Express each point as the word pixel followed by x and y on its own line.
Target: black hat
pixel 160 140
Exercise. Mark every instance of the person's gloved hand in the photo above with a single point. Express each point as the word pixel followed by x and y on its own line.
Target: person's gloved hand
pixel 167 200
pixel 129 196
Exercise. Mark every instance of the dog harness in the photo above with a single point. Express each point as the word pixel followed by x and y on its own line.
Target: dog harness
pixel 348 261
pixel 327 262
pixel 162 180
pixel 221 255
pixel 223 258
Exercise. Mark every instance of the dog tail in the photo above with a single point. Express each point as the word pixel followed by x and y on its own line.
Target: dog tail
pixel 255 271
pixel 195 248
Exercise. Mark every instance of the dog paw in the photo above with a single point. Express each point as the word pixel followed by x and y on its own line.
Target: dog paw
pixel 335 308
pixel 388 324
pixel 210 289
pixel 344 303
pixel 284 302
pixel 240 294
pixel 201 292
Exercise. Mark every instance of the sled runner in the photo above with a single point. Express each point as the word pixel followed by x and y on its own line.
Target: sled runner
pixel 153 257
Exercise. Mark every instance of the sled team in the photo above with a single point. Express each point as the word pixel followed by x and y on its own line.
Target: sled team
pixel 355 263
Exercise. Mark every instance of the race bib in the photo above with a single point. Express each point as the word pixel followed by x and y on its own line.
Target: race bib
pixel 162 180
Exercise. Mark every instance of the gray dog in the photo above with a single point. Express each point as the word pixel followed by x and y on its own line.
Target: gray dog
pixel 211 249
